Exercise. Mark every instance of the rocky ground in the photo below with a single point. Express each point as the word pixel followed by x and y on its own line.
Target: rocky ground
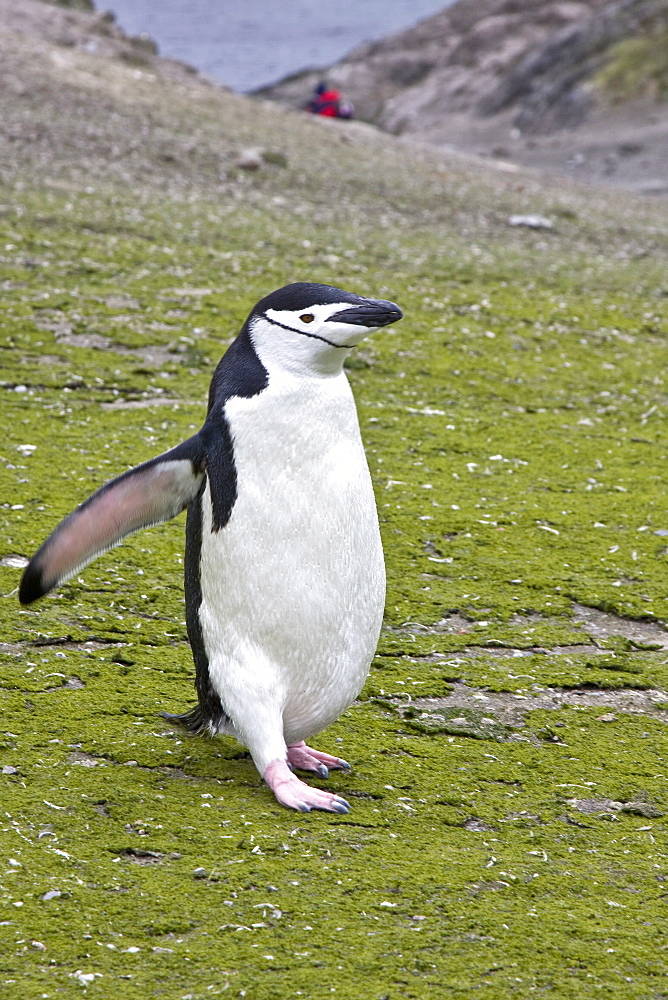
pixel 554 86
pixel 508 831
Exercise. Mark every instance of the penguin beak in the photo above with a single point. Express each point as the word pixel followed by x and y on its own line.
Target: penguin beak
pixel 370 313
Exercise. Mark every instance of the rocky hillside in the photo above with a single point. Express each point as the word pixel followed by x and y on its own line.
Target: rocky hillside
pixel 76 25
pixel 498 76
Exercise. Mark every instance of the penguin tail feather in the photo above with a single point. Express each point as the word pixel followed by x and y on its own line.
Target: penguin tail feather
pixel 195 721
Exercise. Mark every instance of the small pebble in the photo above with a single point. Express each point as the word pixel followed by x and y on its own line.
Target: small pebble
pixel 14 562
pixel 248 159
pixel 531 221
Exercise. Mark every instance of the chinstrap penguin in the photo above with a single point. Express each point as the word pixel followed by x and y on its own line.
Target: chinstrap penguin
pixel 284 572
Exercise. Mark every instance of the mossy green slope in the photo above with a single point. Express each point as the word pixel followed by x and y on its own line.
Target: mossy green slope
pixel 637 66
pixel 515 428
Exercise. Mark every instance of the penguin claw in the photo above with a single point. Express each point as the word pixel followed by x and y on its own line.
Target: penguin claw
pixel 307 759
pixel 296 794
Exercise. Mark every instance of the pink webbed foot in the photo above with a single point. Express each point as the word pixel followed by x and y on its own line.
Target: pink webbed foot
pixel 307 759
pixel 296 794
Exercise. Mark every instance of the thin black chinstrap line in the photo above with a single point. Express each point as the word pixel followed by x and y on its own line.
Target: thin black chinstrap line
pixel 313 336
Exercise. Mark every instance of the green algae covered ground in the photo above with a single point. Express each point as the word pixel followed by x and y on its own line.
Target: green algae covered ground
pixel 515 429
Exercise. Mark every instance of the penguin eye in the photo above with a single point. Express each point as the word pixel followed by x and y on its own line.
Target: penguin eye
pixel 307 317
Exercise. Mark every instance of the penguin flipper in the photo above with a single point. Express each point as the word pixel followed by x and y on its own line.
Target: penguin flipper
pixel 149 494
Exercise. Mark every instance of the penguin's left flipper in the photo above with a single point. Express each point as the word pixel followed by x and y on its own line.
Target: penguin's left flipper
pixel 146 495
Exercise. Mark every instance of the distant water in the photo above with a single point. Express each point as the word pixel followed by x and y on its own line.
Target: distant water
pixel 257 42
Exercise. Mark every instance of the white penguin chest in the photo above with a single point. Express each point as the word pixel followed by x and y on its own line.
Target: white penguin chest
pixel 297 574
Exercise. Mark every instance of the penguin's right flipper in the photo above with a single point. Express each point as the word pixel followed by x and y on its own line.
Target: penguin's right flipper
pixel 149 494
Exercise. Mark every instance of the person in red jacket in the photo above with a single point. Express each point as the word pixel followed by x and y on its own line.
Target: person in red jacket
pixel 327 101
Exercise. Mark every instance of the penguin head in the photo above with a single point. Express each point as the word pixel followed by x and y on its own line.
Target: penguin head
pixel 311 328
